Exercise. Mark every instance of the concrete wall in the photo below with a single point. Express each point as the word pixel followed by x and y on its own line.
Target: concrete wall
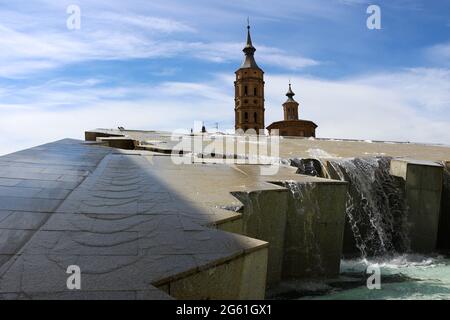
pixel 240 278
pixel 119 142
pixel 444 219
pixel 233 226
pixel 423 186
pixel 93 135
pixel 111 140
pixel 264 218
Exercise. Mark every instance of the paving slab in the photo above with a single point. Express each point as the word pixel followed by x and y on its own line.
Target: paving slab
pixel 113 214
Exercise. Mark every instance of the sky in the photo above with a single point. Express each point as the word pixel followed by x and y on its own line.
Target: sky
pixel 163 64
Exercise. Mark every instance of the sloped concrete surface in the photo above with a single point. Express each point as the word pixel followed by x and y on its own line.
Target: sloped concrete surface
pixel 109 212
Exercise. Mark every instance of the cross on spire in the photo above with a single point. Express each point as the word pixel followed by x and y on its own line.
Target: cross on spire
pixel 249 38
pixel 249 50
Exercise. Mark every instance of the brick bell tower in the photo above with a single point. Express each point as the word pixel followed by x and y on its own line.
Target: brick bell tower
pixel 249 91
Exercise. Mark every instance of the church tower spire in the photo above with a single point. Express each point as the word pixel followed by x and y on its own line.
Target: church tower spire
pixel 249 91
pixel 290 94
pixel 290 107
pixel 292 126
pixel 249 50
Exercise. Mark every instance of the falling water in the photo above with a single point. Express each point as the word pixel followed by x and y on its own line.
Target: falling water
pixel 376 209
pixel 376 225
pixel 306 212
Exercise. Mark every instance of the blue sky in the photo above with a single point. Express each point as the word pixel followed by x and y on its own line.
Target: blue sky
pixel 164 64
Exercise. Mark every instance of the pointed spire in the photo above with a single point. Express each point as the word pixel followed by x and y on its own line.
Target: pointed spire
pixel 290 94
pixel 249 38
pixel 249 50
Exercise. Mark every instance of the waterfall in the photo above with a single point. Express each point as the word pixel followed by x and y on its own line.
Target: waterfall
pixel 376 209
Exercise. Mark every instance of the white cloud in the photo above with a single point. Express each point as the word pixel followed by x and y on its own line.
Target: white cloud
pixel 427 90
pixel 42 114
pixel 38 41
pixel 26 128
pixel 405 106
pixel 228 51
pixel 31 52
pixel 280 58
pixel 28 54
pixel 147 23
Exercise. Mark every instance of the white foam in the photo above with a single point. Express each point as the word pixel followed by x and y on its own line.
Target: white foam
pixel 392 262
